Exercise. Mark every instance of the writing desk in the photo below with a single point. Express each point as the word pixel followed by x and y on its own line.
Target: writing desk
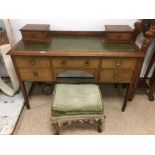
pixel 107 62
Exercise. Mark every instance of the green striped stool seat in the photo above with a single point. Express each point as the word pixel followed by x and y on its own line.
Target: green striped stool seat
pixel 77 102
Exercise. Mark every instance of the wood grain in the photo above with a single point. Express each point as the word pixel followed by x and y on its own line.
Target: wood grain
pixel 32 62
pixel 64 62
pixel 119 63
pixel 116 76
pixel 36 74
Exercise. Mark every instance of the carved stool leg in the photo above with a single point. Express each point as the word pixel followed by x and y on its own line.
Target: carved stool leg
pixel 100 125
pixel 55 125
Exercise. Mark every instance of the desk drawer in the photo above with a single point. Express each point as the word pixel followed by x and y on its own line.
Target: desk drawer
pixel 116 76
pixel 35 74
pixel 118 36
pixel 34 36
pixel 75 62
pixel 119 63
pixel 32 62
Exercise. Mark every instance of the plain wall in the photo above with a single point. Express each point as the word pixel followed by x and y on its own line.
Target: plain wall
pixel 78 25
pixel 71 25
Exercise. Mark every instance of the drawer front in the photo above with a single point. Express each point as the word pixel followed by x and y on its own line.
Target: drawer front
pixel 119 63
pixel 36 74
pixel 119 36
pixel 34 35
pixel 75 62
pixel 116 76
pixel 32 62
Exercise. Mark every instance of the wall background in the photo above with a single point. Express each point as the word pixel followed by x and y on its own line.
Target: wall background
pixel 78 25
pixel 72 25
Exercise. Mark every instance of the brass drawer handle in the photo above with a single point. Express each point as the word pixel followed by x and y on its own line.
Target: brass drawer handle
pixel 115 76
pixel 87 63
pixel 63 62
pixel 35 74
pixel 118 63
pixel 32 62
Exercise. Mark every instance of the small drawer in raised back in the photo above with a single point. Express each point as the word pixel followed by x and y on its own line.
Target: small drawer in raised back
pixel 118 33
pixel 36 32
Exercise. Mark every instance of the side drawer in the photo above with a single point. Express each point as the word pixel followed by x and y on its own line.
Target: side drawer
pixel 119 63
pixel 65 62
pixel 117 36
pixel 116 76
pixel 32 62
pixel 36 74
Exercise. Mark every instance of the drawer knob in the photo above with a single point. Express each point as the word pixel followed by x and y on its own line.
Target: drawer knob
pixel 115 76
pixel 32 62
pixel 63 62
pixel 35 74
pixel 118 63
pixel 86 63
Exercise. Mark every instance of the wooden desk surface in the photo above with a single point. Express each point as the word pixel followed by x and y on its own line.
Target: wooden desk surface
pixel 77 46
pixel 80 44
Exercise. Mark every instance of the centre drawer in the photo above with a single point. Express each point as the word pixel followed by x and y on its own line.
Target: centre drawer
pixel 36 74
pixel 32 62
pixel 119 63
pixel 65 62
pixel 116 76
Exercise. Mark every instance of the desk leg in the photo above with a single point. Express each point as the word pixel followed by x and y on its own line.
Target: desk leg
pixel 127 95
pixel 21 83
pixel 136 79
pixel 133 92
pixel 22 86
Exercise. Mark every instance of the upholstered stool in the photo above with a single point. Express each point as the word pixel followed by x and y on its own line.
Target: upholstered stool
pixel 77 102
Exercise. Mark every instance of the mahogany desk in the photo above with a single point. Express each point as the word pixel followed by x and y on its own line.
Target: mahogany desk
pixel 107 62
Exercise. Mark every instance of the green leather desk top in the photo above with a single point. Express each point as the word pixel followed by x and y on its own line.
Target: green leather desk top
pixel 80 44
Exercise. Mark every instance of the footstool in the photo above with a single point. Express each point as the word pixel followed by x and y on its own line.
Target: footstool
pixel 77 102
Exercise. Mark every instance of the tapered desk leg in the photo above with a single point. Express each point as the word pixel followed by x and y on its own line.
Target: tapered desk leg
pixel 133 93
pixel 135 81
pixel 21 83
pixel 127 95
pixel 22 86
